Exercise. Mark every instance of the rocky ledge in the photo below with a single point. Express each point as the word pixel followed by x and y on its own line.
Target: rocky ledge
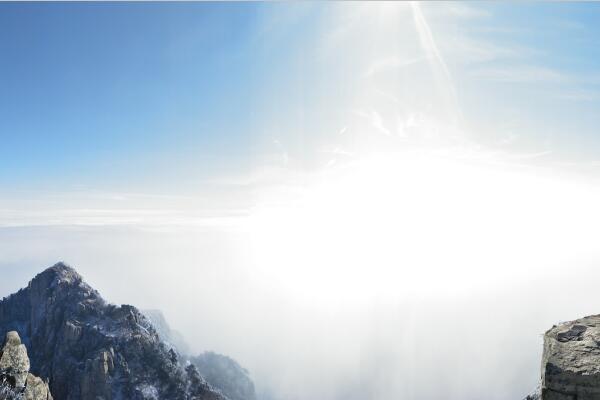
pixel 571 361
pixel 15 380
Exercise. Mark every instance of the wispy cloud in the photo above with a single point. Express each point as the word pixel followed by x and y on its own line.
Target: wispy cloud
pixel 98 208
pixel 337 151
pixel 438 62
pixel 579 95
pixel 569 24
pixel 470 49
pixel 375 120
pixel 521 74
pixel 462 10
pixel 118 217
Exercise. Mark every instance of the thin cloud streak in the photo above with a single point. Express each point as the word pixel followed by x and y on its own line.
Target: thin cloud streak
pixel 429 45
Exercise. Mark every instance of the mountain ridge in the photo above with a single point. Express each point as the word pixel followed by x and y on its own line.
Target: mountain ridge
pixel 219 370
pixel 91 349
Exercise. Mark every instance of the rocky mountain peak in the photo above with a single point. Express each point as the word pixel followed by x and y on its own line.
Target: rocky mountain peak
pixel 58 274
pixel 90 349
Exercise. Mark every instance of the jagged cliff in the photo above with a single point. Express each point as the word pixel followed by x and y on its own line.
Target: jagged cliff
pixel 92 350
pixel 571 361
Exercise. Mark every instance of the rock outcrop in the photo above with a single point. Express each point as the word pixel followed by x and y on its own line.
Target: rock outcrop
pixel 571 361
pixel 16 381
pixel 89 349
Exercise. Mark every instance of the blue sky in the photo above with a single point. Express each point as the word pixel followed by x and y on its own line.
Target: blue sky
pixel 91 91
pixel 163 97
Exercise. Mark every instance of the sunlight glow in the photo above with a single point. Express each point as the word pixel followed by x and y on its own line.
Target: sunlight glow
pixel 407 207
pixel 411 224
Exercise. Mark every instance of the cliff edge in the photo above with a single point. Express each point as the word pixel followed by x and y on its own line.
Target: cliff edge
pixel 571 361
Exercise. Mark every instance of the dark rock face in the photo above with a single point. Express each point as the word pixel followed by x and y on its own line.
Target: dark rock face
pixel 91 350
pixel 226 374
pixel 571 361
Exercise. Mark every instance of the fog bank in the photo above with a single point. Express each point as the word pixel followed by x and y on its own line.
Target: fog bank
pixel 465 324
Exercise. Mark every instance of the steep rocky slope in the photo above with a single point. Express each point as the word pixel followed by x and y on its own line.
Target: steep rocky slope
pixel 571 361
pixel 170 337
pixel 220 371
pixel 90 350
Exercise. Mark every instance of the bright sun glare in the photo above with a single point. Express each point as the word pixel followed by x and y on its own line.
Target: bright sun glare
pixel 414 221
pixel 414 224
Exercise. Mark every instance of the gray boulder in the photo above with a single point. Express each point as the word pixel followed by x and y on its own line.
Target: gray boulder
pixel 16 381
pixel 571 361
pixel 14 359
pixel 36 389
